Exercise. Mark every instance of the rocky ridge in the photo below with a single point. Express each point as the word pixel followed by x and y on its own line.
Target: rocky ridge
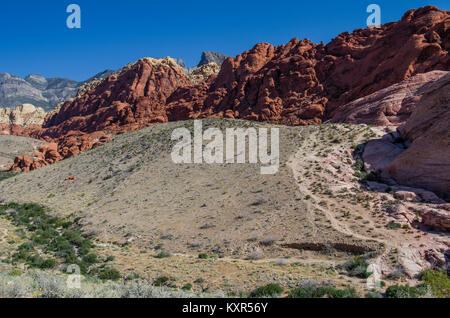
pixel 299 83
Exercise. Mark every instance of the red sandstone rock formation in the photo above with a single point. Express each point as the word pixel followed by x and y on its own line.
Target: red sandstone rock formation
pixel 296 84
pixel 46 155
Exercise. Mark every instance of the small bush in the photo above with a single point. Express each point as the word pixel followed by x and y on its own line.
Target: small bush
pixel 163 254
pixel 109 273
pixel 268 241
pixel 161 281
pixel 187 287
pixel 49 263
pixel 90 258
pixel 15 272
pixel 394 225
pixel 398 291
pixel 357 267
pixel 270 290
pixel 438 281
pixel 373 295
pixel 255 255
pixel 203 256
pixel 322 292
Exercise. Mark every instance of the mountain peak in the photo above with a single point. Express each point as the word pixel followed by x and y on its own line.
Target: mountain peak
pixel 212 57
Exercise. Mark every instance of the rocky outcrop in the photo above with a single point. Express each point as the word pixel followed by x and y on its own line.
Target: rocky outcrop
pixel 203 73
pixel 418 155
pixel 22 116
pixel 369 60
pixel 391 106
pixel 438 219
pixel 47 154
pixel 302 82
pixel 426 161
pixel 212 57
pixel 131 99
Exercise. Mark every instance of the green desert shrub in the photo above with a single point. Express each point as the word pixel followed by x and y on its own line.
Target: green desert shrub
pixel 161 281
pixel 323 292
pixel 438 282
pixel 399 291
pixel 357 267
pixel 59 237
pixel 270 290
pixel 313 289
pixel 109 273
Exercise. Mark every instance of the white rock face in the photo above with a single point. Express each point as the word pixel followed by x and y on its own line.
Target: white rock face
pixel 23 115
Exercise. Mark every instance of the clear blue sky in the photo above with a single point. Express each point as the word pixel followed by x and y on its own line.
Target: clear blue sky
pixel 35 38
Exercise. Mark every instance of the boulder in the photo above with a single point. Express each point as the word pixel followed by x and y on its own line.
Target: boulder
pixel 437 218
pixel 426 162
pixel 380 153
pixel 405 196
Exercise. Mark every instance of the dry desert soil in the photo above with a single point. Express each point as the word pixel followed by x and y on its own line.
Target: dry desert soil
pixel 300 223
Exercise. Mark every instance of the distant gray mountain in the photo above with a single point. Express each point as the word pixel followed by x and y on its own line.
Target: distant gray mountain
pixel 103 74
pixel 38 90
pixel 209 57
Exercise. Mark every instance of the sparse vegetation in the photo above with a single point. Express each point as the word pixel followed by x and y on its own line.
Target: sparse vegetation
pixel 49 235
pixel 357 267
pixel 270 290
pixel 161 281
pixel 325 291
pixel 399 291
pixel 6 174
pixel 438 281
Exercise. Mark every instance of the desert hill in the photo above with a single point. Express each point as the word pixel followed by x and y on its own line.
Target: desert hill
pixel 128 193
